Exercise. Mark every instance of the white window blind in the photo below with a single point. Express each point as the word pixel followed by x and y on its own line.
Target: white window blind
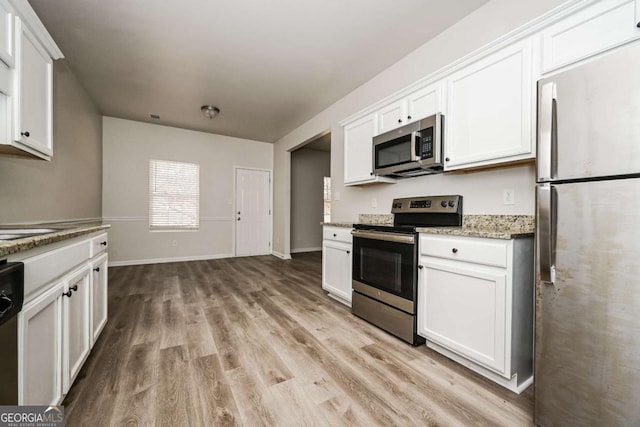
pixel 174 195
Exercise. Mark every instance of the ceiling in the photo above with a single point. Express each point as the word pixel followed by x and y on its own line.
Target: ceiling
pixel 268 65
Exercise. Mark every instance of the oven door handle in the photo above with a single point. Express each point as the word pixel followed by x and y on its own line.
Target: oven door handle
pixel 387 237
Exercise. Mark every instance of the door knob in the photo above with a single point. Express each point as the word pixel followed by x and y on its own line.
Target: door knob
pixel 238 219
pixel 238 212
pixel 454 250
pixel 74 288
pixel 67 294
pixel 25 134
pixel 97 269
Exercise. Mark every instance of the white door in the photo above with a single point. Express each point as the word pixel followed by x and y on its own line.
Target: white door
pixel 253 212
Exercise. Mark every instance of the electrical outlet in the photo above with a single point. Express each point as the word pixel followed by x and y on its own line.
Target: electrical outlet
pixel 509 197
pixel 374 202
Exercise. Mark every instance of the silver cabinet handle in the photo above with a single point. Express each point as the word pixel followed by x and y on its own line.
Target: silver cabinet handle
pixel 546 235
pixel 547 133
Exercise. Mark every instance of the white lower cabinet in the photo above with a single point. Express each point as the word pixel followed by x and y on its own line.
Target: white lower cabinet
pixel 336 263
pixel 475 304
pixel 40 349
pixel 76 325
pixel 60 320
pixel 99 282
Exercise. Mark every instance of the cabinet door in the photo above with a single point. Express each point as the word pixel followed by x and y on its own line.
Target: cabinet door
pixel 6 32
pixel 40 349
pixel 462 307
pixel 490 110
pixel 426 102
pixel 99 280
pixel 336 269
pixel 76 325
pixel 32 93
pixel 601 26
pixel 358 150
pixel 392 116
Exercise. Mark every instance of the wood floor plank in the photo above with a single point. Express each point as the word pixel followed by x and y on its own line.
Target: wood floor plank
pixel 215 402
pixel 256 341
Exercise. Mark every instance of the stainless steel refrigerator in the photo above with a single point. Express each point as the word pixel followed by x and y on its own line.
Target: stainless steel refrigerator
pixel 587 348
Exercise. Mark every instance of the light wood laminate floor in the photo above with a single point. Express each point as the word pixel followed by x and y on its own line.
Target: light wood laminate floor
pixel 256 341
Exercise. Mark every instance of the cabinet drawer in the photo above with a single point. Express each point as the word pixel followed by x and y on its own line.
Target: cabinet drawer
pixel 470 249
pixel 99 244
pixel 337 233
pixel 42 269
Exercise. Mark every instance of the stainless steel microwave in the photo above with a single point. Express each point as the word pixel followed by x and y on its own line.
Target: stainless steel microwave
pixel 411 150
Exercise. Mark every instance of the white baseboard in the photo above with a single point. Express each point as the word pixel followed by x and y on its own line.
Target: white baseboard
pixel 297 251
pixel 280 255
pixel 166 260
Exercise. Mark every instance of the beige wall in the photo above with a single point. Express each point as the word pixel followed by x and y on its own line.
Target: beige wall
pixel 69 187
pixel 128 147
pixel 308 168
pixel 482 191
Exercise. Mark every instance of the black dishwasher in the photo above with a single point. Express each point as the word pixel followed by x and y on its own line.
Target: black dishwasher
pixel 11 297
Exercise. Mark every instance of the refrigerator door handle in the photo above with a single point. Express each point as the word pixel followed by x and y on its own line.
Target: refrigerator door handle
pixel 547 133
pixel 546 216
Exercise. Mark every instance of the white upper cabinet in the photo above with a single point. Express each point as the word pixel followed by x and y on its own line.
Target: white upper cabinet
pixel 392 116
pixel 599 27
pixel 6 33
pixel 358 152
pixel 423 102
pixel 27 52
pixel 490 110
pixel 426 102
pixel 33 88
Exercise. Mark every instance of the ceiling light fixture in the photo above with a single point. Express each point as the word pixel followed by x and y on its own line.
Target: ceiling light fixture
pixel 210 111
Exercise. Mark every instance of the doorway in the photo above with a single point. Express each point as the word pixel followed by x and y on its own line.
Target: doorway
pixel 253 211
pixel 310 171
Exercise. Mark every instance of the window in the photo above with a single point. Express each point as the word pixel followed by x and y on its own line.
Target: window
pixel 174 195
pixel 327 199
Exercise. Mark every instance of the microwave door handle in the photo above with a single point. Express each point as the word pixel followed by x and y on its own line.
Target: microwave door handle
pixel 547 133
pixel 414 157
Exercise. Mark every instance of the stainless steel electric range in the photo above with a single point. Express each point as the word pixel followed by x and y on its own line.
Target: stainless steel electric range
pixel 385 263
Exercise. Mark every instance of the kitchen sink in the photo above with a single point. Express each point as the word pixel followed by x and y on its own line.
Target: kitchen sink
pixel 20 233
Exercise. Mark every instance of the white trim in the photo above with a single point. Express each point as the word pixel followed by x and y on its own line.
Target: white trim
pixel 280 255
pixel 166 260
pixel 508 383
pixel 144 218
pixel 58 221
pixel 297 251
pixel 513 36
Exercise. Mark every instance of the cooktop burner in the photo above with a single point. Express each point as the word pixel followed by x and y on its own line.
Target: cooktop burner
pixel 412 212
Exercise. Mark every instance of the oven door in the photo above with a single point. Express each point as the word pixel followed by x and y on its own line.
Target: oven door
pixel 385 261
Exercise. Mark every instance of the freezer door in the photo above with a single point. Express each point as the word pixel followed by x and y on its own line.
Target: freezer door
pixel 587 352
pixel 589 119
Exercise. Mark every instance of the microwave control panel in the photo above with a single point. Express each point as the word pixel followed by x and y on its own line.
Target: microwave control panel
pixel 424 143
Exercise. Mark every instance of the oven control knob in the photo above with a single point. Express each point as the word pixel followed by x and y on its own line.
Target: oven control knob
pixel 451 203
pixel 443 203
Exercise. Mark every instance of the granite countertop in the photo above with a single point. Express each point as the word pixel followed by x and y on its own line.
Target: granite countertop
pixel 338 224
pixel 65 231
pixel 489 226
